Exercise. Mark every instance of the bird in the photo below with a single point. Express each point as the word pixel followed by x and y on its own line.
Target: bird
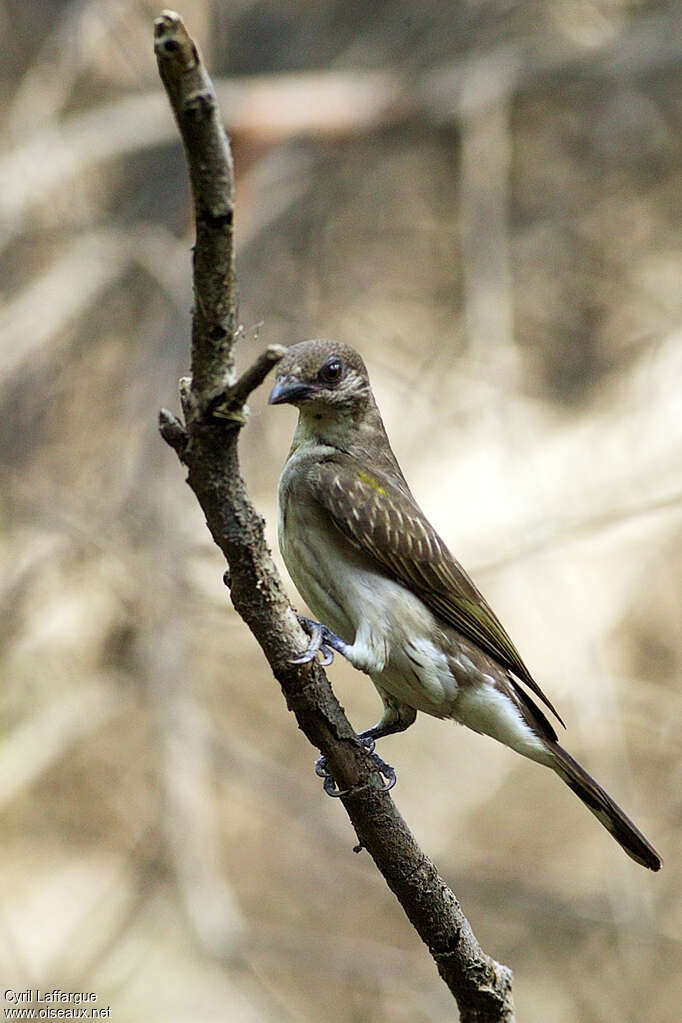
pixel 387 593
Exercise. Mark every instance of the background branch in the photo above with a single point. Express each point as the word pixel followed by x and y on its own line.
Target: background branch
pixel 481 986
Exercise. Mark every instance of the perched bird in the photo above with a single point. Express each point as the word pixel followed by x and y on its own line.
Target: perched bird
pixel 388 594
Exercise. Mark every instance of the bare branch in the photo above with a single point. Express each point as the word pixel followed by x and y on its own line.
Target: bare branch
pixel 231 405
pixel 208 447
pixel 209 159
pixel 172 431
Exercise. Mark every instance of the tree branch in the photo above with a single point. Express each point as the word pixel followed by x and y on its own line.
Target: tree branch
pixel 207 444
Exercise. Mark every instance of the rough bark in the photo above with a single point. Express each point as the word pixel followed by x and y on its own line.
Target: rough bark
pixel 214 409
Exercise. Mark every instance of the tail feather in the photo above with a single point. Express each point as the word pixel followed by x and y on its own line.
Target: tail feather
pixel 608 813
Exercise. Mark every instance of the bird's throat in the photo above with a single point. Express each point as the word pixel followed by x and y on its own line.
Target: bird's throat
pixel 326 428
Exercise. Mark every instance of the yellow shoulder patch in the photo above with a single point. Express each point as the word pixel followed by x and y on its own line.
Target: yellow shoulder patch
pixel 374 484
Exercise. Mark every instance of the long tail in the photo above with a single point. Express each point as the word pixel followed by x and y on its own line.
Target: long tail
pixel 604 809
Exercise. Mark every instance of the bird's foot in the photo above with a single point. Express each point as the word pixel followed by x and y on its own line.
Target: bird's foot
pixel 387 772
pixel 329 784
pixel 322 641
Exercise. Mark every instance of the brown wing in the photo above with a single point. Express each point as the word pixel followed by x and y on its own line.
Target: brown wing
pixel 385 523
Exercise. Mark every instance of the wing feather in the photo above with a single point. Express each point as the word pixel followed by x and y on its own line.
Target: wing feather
pixel 383 520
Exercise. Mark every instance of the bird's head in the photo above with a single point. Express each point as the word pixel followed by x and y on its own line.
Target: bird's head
pixel 322 378
pixel 328 383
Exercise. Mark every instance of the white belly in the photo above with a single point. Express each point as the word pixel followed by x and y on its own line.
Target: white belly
pixel 392 634
pixel 390 629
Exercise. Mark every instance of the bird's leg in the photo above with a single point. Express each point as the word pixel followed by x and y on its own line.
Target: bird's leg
pixel 329 784
pixel 385 769
pixel 322 641
pixel 396 718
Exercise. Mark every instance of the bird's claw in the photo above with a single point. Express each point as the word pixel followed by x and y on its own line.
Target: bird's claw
pixel 315 629
pixel 322 642
pixel 386 771
pixel 368 742
pixel 329 784
pixel 326 656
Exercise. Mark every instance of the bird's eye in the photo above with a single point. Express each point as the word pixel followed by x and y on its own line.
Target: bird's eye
pixel 331 372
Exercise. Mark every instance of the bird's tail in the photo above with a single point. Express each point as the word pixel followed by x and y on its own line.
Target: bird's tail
pixel 604 809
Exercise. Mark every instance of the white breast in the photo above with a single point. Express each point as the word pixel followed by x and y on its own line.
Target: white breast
pixel 391 632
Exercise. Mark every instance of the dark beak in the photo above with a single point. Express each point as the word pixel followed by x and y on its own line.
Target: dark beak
pixel 289 391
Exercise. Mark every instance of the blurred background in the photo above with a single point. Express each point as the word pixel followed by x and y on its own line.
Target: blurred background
pixel 484 198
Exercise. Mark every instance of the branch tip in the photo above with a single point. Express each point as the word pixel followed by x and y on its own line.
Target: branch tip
pixel 231 404
pixel 172 431
pixel 172 42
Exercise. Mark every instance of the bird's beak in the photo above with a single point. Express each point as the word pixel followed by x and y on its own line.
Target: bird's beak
pixel 289 390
